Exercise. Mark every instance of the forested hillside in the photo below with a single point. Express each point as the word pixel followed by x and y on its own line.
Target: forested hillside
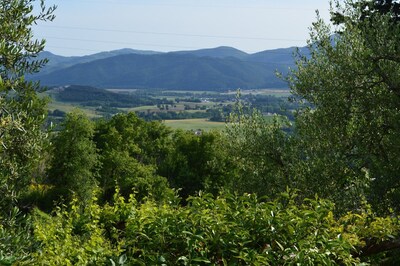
pixel 94 96
pixel 219 68
pixel 123 191
pixel 167 71
pixel 57 62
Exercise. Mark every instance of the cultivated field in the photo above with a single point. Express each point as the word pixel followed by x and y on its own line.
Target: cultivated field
pixel 194 124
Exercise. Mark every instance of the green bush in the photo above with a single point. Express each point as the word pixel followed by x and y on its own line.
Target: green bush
pixel 73 237
pixel 227 230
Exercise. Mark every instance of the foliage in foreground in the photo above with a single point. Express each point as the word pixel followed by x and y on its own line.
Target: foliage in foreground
pixel 351 78
pixel 227 230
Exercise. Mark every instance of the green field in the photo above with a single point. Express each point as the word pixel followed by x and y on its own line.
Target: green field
pixel 271 92
pixel 141 108
pixel 194 124
pixel 69 107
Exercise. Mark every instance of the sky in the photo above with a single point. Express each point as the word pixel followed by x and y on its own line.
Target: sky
pixel 85 27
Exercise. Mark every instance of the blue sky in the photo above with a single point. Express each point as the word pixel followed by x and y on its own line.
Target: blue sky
pixel 90 26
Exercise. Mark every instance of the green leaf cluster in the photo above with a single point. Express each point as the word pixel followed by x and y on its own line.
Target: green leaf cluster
pixel 129 150
pixel 224 230
pixel 350 137
pixel 260 152
pixel 73 167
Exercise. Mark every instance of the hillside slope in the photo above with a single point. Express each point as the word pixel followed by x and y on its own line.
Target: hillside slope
pixel 168 71
pixel 217 68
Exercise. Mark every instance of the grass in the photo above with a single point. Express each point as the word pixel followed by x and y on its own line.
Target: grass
pixel 69 107
pixel 194 124
pixel 140 108
pixel 66 107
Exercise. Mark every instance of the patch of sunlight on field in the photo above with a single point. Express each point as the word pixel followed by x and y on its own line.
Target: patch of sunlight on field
pixel 141 108
pixel 69 107
pixel 194 124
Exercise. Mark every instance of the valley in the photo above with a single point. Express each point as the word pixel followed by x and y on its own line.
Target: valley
pixel 188 110
pixel 199 86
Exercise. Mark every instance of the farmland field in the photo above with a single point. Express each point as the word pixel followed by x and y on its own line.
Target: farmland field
pixel 194 124
pixel 69 107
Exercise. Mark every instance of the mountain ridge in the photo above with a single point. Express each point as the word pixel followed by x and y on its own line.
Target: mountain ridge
pixel 217 68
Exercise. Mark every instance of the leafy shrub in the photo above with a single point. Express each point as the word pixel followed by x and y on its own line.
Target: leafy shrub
pixel 227 230
pixel 16 241
pixel 73 237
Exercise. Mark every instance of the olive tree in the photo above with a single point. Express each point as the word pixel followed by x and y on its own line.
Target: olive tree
pixel 75 160
pixel 350 138
pixel 21 111
pixel 21 116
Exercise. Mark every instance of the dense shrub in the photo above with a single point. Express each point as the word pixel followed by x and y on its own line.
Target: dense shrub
pixel 227 230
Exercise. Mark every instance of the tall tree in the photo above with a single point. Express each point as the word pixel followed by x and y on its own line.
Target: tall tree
pixel 21 111
pixel 351 137
pixel 194 163
pixel 21 117
pixel 260 152
pixel 130 149
pixel 75 160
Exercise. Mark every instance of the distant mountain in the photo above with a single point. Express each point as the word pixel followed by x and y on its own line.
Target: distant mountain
pixel 218 68
pixel 281 56
pixel 57 62
pixel 218 52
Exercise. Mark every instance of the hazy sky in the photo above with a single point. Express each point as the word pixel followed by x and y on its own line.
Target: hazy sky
pixel 90 26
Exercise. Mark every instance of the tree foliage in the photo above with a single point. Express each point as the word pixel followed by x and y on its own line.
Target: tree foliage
pixel 195 163
pixel 351 137
pixel 75 162
pixel 227 230
pixel 21 116
pixel 21 112
pixel 130 149
pixel 259 151
pixel 17 45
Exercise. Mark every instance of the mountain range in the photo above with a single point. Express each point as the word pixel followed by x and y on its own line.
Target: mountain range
pixel 218 68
